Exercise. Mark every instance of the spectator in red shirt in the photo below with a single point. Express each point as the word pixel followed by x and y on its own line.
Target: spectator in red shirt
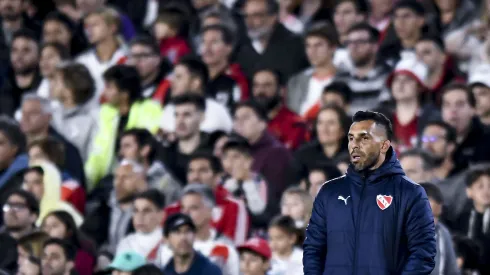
pixel 168 31
pixel 230 216
pixel 284 124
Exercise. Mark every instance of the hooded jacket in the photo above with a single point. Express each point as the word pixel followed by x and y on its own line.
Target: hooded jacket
pixel 379 222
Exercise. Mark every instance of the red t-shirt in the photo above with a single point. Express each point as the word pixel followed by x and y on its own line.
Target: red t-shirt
pixel 174 48
pixel 405 135
pixel 288 127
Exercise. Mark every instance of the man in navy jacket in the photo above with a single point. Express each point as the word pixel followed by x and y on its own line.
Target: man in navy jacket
pixel 373 220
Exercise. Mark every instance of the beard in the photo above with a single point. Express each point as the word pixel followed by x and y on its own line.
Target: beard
pixel 371 160
pixel 362 61
pixel 268 103
pixel 258 33
pixel 26 70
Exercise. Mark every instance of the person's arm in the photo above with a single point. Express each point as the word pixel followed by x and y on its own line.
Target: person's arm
pixel 420 233
pixel 315 244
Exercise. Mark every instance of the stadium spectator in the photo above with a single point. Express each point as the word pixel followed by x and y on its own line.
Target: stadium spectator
pixel 14 158
pixel 20 213
pixel 317 176
pixel 59 28
pixel 255 257
pixel 169 30
pixel 58 257
pixel 30 266
pixel 52 54
pixel 126 262
pixel 480 87
pixel 297 204
pixel 347 13
pixel 287 257
pixel 14 19
pixel 336 93
pixel 417 165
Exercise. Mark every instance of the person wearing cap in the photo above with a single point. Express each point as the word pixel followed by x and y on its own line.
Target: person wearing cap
pixel 126 262
pixel 180 232
pixel 479 82
pixel 407 83
pixel 255 257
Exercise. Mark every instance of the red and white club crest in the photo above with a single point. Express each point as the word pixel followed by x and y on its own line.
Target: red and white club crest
pixel 383 201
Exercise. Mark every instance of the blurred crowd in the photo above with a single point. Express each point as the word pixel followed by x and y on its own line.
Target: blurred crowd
pixel 192 136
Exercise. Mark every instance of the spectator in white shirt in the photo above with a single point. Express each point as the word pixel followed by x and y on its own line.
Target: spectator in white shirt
pixel 287 257
pixel 52 54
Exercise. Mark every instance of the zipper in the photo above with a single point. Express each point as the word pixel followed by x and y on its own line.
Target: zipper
pixel 356 226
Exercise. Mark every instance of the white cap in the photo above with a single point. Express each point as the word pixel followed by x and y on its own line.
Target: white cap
pixel 480 75
pixel 412 67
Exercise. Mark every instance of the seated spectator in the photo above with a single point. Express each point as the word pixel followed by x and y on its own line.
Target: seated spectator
pixel 14 159
pixel 126 105
pixel 60 224
pixel 297 204
pixel 255 257
pixel 58 257
pixel 287 257
pixel 245 184
pixel 76 120
pixel 446 255
pixel 190 76
pixel 36 123
pixel 230 216
pixel 52 150
pixel 417 165
pixel 480 87
pixel 43 180
pixel 286 126
pixel 168 30
pixel 180 233
pixel 317 176
pixel 336 93
pixel 52 54
pixel 147 219
pixel 59 28
pixel 20 213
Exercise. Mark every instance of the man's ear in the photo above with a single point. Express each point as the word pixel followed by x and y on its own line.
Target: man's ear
pixel 385 146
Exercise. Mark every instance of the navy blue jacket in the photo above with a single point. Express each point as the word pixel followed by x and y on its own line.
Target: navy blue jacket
pixel 200 266
pixel 357 228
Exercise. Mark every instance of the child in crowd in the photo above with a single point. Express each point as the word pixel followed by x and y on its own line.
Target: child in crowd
pixel 255 257
pixel 168 30
pixel 297 204
pixel 284 238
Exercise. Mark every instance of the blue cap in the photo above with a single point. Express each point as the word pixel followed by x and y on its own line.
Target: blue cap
pixel 127 261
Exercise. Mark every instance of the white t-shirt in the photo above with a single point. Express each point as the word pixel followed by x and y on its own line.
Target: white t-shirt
pixel 216 117
pixel 315 89
pixel 140 243
pixel 291 266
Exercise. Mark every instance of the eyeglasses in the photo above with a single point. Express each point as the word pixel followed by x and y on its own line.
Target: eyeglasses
pixel 16 207
pixel 431 139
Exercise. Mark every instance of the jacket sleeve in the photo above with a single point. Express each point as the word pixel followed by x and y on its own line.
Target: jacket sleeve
pixel 315 244
pixel 420 230
pixel 450 258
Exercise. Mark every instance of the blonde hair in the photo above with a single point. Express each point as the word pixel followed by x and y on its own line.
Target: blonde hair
pixel 304 196
pixel 33 243
pixel 110 15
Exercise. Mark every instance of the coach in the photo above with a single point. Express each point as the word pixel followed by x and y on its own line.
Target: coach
pixel 373 220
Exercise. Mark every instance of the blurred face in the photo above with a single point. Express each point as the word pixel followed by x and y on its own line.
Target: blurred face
pixel 200 171
pixel 318 51
pixel 317 179
pixel 367 142
pixel 362 49
pixel 252 264
pixel 404 87
pixel 258 20
pixel 181 240
pixel 88 5
pixel 187 120
pixel 482 95
pixel 381 7
pixel 24 55
pixel 211 20
pixel 457 111
pixel 54 227
pixel 333 98
pixel 214 50
pixel 54 31
pixel 145 60
pixel 293 207
pixel 195 206
pixel 54 260
pixel 8 151
pixel 16 214
pixel 407 23
pixel 112 93
pixel 182 81
pixel 436 209
pixel 11 9
pixel 37 154
pixel 414 168
pixel 248 125
pixel 146 216
pixel 33 182
pixel 218 146
pixel 281 243
pixel 34 120
pixel 328 127
pixel 434 140
pixel 50 58
pixel 430 55
pixel 27 267
pixel 97 29
pixel 345 16
pixel 127 182
pixel 128 148
pixel 446 5
pixel 266 89
pixel 479 191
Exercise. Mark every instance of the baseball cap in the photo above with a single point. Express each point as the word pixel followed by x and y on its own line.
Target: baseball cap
pixel 175 221
pixel 127 261
pixel 480 75
pixel 412 67
pixel 258 246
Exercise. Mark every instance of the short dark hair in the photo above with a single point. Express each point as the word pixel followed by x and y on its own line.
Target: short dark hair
pixel 126 78
pixel 11 130
pixel 325 31
pixel 68 248
pixel 154 196
pixel 433 192
pixel 197 100
pixel 476 172
pixel 77 78
pixel 363 26
pixel 360 6
pixel 175 19
pixel 436 39
pixel 214 161
pixel 61 18
pixel 422 154
pixel 451 135
pixel 462 87
pixel 146 41
pixel 52 147
pixel 143 138
pixel 59 48
pixel 341 88
pixel 196 68
pixel 31 201
pixel 27 34
pixel 276 73
pixel 239 144
pixel 147 269
pixel 226 34
pixel 344 120
pixel 256 107
pixel 378 118
pixel 414 6
pixel 272 5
